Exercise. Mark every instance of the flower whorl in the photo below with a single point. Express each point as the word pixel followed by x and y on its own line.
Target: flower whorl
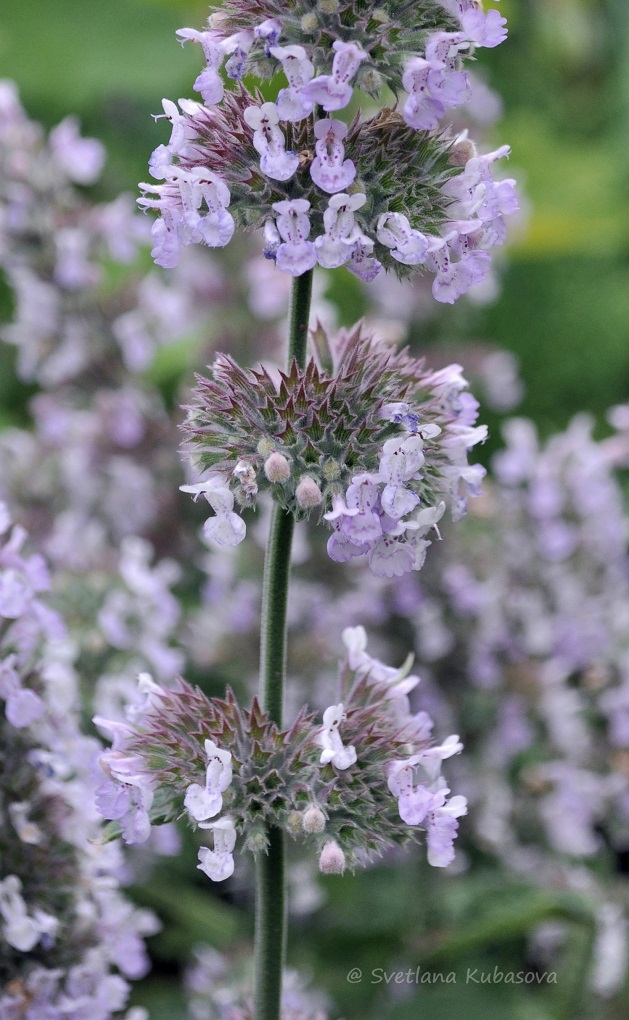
pixel 391 189
pixel 370 758
pixel 365 436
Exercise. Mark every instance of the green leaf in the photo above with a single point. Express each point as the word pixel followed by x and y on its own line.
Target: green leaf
pixel 515 916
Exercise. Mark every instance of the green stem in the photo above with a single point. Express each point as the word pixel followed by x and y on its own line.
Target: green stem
pixel 274 602
pixel 270 927
pixel 270 942
pixel 298 316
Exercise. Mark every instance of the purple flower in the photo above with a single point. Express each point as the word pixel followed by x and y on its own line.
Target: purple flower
pixel 407 245
pixel 337 245
pixel 414 802
pixel 209 83
pixel 329 170
pixel 238 45
pixel 269 141
pixel 268 30
pixel 292 104
pixel 390 558
pixel 81 158
pixel 333 91
pixel 400 462
pixel 295 255
pixel 421 110
pixel 23 708
pixel 361 263
pixel 484 28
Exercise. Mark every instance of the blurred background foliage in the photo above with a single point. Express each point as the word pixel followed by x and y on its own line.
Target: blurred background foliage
pixel 563 309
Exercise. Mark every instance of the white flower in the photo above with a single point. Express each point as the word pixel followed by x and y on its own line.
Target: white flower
pixel 20 930
pixel 269 141
pixel 226 528
pixel 295 255
pixel 218 864
pixel 205 802
pixel 329 170
pixel 334 752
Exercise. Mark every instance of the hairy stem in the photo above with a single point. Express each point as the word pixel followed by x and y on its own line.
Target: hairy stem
pixel 270 928
pixel 298 317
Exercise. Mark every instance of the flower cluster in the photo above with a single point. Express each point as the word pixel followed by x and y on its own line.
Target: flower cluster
pixel 219 988
pixel 69 940
pixel 541 602
pixel 391 190
pixel 365 436
pixel 233 772
pixel 53 243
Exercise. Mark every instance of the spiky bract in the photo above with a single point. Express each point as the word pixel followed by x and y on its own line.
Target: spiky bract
pixel 271 766
pixel 277 774
pixel 327 422
pixel 399 169
pixel 387 33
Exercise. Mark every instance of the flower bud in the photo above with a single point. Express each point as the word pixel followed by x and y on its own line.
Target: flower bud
pixel 371 81
pixel 257 842
pixel 331 470
pixel 294 823
pixel 328 6
pixel 246 475
pixel 265 446
pixel 277 468
pixel 313 819
pixel 308 493
pixel 217 20
pixel 309 22
pixel 332 859
pixel 462 150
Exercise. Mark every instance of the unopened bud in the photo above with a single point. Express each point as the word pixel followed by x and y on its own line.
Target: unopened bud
pixel 328 6
pixel 309 22
pixel 217 20
pixel 313 820
pixel 332 859
pixel 331 470
pixel 371 81
pixel 293 823
pixel 246 475
pixel 265 446
pixel 257 842
pixel 308 493
pixel 461 150
pixel 277 468
pixel 381 15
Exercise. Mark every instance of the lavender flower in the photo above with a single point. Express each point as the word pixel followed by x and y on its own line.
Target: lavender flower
pixel 69 940
pixel 221 989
